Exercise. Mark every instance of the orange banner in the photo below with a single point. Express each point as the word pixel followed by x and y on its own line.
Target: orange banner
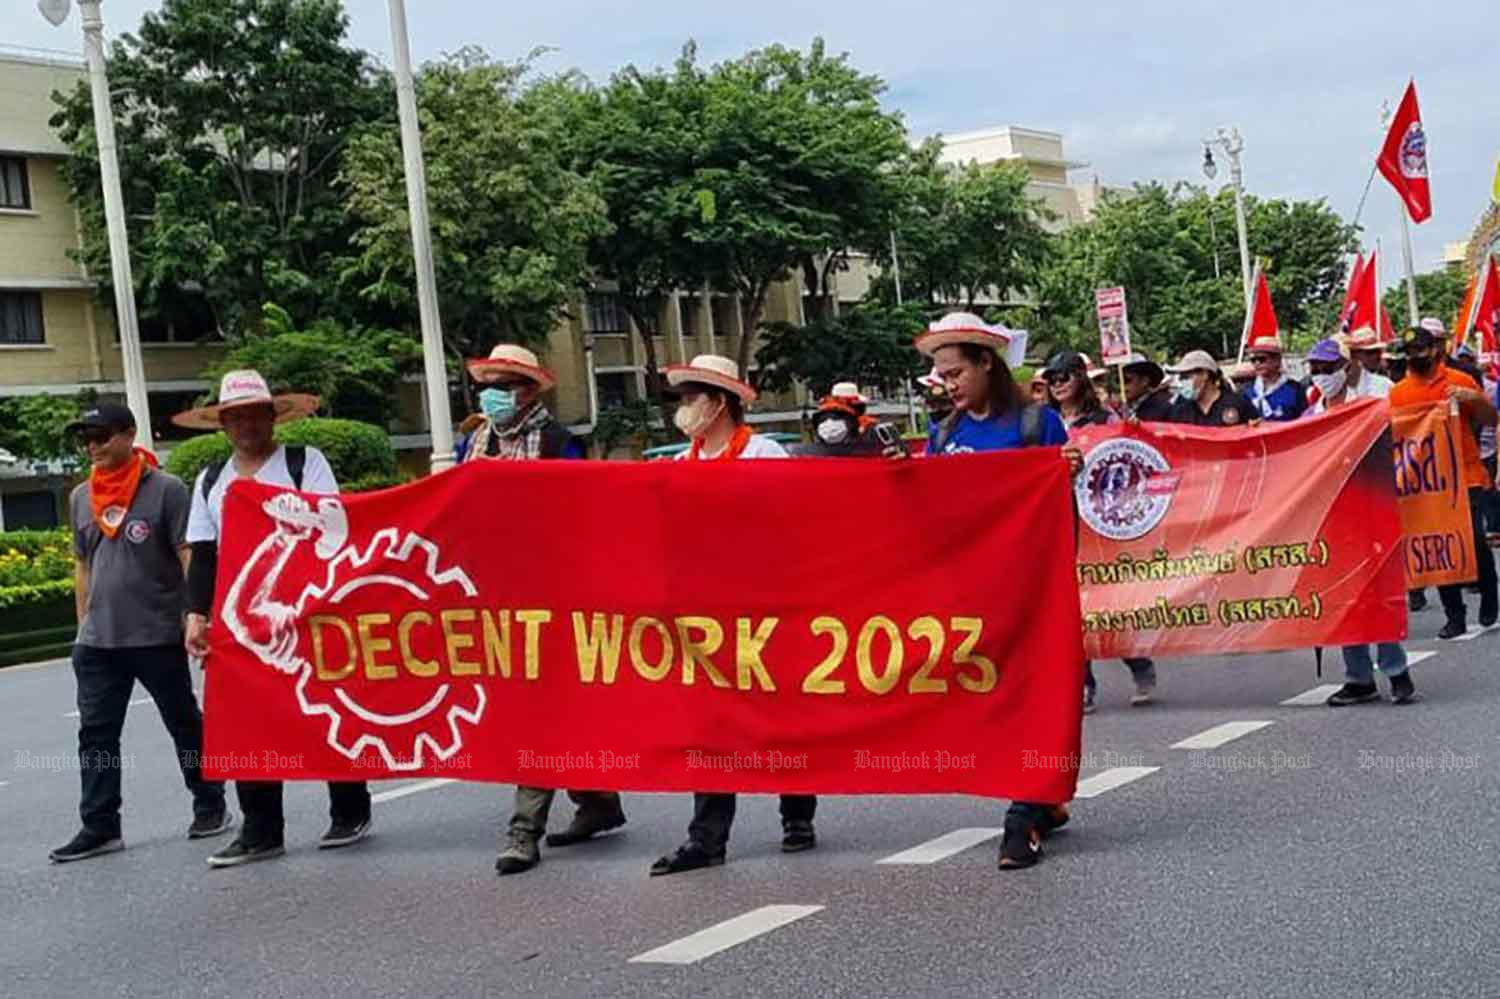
pixel 1198 541
pixel 1432 497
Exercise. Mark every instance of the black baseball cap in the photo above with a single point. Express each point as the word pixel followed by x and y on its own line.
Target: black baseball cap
pixel 1066 362
pixel 109 416
pixel 1420 339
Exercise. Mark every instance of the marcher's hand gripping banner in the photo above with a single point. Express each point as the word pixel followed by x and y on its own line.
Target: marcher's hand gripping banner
pixel 1432 496
pixel 814 626
pixel 1198 541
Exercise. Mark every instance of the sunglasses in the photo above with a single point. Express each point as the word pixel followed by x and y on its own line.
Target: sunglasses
pixel 1057 377
pixel 1260 358
pixel 95 436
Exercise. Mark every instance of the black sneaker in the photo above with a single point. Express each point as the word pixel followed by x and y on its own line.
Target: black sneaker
pixel 1053 819
pixel 1353 693
pixel 1416 600
pixel 1403 691
pixel 1020 844
pixel 1452 630
pixel 344 832
pixel 797 836
pixel 85 845
pixel 690 856
pixel 240 852
pixel 208 826
pixel 586 827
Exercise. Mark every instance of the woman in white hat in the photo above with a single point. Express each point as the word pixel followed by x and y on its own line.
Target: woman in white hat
pixel 1203 397
pixel 512 421
pixel 712 415
pixel 990 414
pixel 514 425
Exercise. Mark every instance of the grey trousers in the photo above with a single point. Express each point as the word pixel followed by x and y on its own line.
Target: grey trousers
pixel 534 803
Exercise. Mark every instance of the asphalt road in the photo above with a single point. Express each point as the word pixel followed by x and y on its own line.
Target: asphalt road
pixel 1329 853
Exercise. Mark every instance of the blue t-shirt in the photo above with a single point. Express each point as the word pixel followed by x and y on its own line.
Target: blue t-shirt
pixel 997 433
pixel 1282 404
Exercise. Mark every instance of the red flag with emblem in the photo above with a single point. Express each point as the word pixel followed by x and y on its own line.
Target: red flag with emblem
pixel 1262 331
pixel 1403 158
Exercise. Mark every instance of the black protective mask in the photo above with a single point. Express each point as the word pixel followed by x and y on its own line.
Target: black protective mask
pixel 1421 365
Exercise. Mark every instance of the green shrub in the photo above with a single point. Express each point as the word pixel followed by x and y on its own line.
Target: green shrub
pixel 355 450
pixel 32 543
pixel 372 483
pixel 30 595
pixel 45 562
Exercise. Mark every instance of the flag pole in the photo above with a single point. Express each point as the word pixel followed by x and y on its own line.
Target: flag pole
pixel 1249 313
pixel 1411 276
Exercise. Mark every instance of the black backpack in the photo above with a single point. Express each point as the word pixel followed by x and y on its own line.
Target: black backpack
pixel 1031 428
pixel 296 461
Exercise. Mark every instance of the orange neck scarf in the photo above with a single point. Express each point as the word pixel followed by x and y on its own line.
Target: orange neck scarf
pixel 111 492
pixel 737 445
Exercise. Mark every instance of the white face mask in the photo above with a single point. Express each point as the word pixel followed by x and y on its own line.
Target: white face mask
pixel 1187 389
pixel 833 431
pixel 1330 385
pixel 694 419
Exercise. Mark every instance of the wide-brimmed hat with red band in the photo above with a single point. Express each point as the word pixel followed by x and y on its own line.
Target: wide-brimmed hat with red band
pixel 711 369
pixel 965 327
pixel 247 388
pixel 510 359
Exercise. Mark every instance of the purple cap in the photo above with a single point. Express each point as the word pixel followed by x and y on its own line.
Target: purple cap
pixel 1327 350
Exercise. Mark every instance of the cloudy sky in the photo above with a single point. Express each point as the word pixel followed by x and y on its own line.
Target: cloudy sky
pixel 1133 87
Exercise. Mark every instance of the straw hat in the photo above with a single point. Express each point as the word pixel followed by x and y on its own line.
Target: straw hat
pixel 247 388
pixel 508 358
pixel 711 369
pixel 849 391
pixel 1264 345
pixel 1195 360
pixel 965 327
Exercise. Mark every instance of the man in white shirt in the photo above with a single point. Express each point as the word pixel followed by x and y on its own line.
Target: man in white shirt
pixel 248 414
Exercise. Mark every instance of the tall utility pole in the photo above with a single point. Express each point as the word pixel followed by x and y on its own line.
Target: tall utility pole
pixel 1229 140
pixel 434 361
pixel 57 11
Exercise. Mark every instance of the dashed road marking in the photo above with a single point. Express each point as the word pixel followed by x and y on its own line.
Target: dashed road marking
pixel 135 703
pixel 417 788
pixel 732 932
pixel 1108 780
pixel 1317 695
pixel 1412 658
pixel 1220 734
pixel 1474 632
pixel 943 847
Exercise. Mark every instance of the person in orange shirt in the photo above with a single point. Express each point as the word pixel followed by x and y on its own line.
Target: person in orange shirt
pixel 1428 379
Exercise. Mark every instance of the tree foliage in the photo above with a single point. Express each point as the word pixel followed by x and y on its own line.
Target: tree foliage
pixel 870 344
pixel 32 426
pixel 232 116
pixel 1440 293
pixel 1159 245
pixel 356 371
pixel 510 221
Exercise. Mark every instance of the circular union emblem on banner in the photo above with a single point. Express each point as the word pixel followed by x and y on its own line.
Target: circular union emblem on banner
pixel 1113 491
pixel 1414 151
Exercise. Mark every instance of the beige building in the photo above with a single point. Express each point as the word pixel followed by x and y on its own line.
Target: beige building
pixel 54 338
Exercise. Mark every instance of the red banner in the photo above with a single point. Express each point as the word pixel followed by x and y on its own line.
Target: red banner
pixel 1198 541
pixel 1433 498
pixel 816 626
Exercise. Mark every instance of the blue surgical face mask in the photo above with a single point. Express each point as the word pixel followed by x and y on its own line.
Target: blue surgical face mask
pixel 498 404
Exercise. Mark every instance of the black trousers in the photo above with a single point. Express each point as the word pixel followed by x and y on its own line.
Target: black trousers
pixel 106 679
pixel 1453 596
pixel 713 814
pixel 265 822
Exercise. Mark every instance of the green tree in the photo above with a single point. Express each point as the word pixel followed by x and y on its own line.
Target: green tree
pixel 1440 293
pixel 794 168
pixel 870 344
pixel 1159 244
pixel 967 232
pixel 31 426
pixel 232 116
pixel 511 222
pixel 356 371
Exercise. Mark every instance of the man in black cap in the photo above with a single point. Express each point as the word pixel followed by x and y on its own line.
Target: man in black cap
pixel 129 523
pixel 1147 398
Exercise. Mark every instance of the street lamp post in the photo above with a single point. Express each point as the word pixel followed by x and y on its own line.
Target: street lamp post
pixel 1229 140
pixel 435 364
pixel 57 11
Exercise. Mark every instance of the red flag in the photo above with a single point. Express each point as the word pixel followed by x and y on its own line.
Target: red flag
pixel 1351 294
pixel 1487 314
pixel 1262 331
pixel 1403 159
pixel 1364 318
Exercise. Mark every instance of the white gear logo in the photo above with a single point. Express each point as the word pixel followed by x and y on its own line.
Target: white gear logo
pixel 267 626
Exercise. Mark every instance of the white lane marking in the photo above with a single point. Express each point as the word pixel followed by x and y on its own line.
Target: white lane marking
pixel 1220 734
pixel 417 788
pixel 1110 779
pixel 4 783
pixel 1317 695
pixel 943 847
pixel 1474 632
pixel 27 667
pixel 732 932
pixel 1412 658
pixel 138 701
